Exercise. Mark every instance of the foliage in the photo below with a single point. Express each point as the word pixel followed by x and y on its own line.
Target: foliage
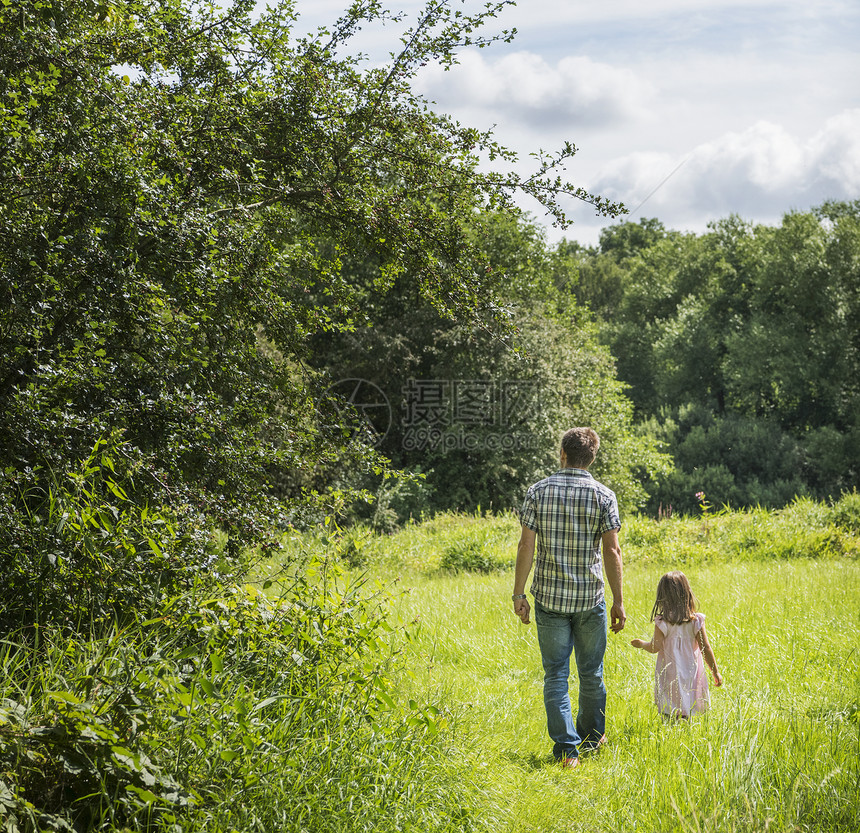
pixel 846 512
pixel 226 711
pixel 349 545
pixel 471 557
pixel 802 529
pixel 746 461
pixel 85 555
pixel 740 350
pixel 479 417
pixel 716 535
pixel 601 272
pixel 181 183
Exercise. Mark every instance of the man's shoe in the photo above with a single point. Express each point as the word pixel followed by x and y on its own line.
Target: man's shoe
pixel 570 763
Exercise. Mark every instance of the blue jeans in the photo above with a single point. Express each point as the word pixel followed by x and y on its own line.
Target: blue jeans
pixel 559 636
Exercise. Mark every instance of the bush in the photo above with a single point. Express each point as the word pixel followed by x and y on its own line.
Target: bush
pixel 81 554
pixel 803 529
pixel 846 512
pixel 470 557
pixel 225 711
pixel 737 461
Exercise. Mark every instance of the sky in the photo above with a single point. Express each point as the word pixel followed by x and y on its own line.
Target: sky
pixel 684 110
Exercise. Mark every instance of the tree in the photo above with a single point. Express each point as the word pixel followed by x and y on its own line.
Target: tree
pixel 180 186
pixel 477 418
pixel 602 271
pixel 795 356
pixel 754 331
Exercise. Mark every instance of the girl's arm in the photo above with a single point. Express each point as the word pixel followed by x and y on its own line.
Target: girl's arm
pixel 708 655
pixel 652 647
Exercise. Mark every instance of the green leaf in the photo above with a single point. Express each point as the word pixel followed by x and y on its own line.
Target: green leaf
pixel 147 796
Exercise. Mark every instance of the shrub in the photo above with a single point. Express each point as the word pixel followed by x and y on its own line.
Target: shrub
pixel 81 554
pixel 351 546
pixel 225 711
pixel 846 512
pixel 470 557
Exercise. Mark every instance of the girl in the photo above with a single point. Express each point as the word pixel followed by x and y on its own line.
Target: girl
pixel 680 642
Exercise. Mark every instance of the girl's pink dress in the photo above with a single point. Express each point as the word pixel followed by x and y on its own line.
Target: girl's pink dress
pixel 680 684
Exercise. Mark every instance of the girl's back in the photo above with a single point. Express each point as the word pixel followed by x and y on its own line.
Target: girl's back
pixel 680 684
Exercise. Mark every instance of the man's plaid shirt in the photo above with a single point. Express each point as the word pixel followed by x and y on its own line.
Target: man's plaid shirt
pixel 569 511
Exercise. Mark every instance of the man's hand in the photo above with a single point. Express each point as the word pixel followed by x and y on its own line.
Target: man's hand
pixel 618 617
pixel 522 608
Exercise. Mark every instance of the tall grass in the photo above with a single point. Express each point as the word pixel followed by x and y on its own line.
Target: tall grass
pixel 780 748
pixel 382 683
pixel 228 711
pixel 804 529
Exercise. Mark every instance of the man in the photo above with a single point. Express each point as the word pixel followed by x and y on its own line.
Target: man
pixel 570 515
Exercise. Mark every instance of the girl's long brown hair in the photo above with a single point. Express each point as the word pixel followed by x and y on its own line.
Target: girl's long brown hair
pixel 675 600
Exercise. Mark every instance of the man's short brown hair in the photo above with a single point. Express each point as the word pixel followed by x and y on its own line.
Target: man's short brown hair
pixel 580 447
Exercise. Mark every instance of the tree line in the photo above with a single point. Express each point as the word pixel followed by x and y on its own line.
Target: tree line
pixel 741 351
pixel 722 364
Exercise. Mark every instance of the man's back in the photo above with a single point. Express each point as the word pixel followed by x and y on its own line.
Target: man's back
pixel 569 511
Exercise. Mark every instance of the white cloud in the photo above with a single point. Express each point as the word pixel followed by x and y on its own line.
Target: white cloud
pixel 733 106
pixel 763 160
pixel 759 173
pixel 836 149
pixel 767 164
pixel 523 87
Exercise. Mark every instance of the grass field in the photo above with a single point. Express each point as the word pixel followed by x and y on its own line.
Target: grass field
pixel 780 748
pixel 381 683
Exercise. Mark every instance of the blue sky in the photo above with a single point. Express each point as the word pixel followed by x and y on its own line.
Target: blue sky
pixel 684 110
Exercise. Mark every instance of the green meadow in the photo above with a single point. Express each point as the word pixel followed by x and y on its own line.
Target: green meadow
pixel 780 748
pixel 366 682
